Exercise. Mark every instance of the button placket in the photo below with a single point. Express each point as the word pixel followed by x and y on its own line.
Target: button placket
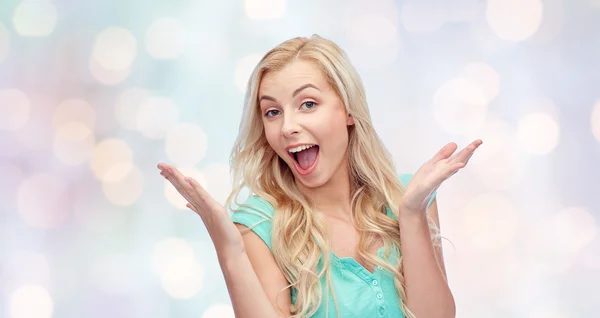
pixel 378 293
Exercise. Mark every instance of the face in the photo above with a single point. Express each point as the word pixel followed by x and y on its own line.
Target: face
pixel 300 109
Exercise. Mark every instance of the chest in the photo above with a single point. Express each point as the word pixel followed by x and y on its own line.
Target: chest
pixel 345 239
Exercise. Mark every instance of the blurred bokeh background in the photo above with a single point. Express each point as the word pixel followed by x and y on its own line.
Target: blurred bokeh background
pixel 93 94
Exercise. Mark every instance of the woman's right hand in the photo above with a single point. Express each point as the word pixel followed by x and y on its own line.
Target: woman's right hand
pixel 224 234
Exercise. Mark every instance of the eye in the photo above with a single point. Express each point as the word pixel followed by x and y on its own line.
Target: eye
pixel 271 113
pixel 309 104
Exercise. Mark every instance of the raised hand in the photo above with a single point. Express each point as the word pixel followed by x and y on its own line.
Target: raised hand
pixel 224 234
pixel 432 173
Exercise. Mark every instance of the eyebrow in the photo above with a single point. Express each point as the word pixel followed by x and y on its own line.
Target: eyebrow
pixel 296 92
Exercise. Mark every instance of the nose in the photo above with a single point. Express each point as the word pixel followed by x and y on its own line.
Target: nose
pixel 290 125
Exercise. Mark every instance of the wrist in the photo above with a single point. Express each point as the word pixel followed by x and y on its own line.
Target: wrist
pixel 410 213
pixel 231 259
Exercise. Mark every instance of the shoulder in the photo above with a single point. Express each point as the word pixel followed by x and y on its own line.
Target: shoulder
pixel 255 204
pixel 405 178
pixel 257 215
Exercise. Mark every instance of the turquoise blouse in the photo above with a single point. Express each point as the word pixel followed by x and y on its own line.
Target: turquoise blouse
pixel 359 292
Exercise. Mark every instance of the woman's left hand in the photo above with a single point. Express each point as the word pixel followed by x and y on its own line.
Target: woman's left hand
pixel 430 176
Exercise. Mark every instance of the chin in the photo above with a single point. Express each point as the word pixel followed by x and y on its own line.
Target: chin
pixel 312 181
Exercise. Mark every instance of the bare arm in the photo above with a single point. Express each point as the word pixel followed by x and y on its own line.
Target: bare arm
pixel 424 272
pixel 246 261
pixel 254 280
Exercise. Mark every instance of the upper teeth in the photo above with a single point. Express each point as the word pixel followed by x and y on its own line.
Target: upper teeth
pixel 300 148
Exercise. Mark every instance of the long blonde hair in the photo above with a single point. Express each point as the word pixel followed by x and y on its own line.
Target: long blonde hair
pixel 299 239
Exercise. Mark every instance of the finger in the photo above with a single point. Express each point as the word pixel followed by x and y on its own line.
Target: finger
pixel 465 154
pixel 445 152
pixel 177 179
pixel 191 189
pixel 202 193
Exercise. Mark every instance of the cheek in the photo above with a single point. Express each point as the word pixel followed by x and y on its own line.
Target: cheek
pixel 272 136
pixel 336 135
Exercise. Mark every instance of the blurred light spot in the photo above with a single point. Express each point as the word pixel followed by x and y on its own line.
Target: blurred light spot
pixel 155 116
pixel 552 22
pixel 373 39
pixel 490 222
pixel 489 271
pixel 4 42
pixel 218 181
pixel 264 9
pixel 538 104
pixel 74 143
pixel 185 144
pixel 546 311
pixel 112 160
pixel 127 190
pixel 558 240
pixel 244 69
pixel 74 110
pixel 175 263
pixel 165 38
pixel 499 152
pixel 590 256
pixel 15 108
pixel 174 197
pixel 219 311
pixel 497 135
pixel 503 273
pixel 538 133
pixel 127 106
pixel 115 274
pixel 114 49
pixel 459 106
pixel 595 120
pixel 107 77
pixel 422 16
pixel 94 213
pixel 575 227
pixel 31 301
pixel 43 201
pixel 35 18
pixel 24 268
pixel 11 177
pixel 484 75
pixel 514 20
pixel 210 49
pixel 36 134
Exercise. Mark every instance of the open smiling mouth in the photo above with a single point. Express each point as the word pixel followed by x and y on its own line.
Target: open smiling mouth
pixel 305 158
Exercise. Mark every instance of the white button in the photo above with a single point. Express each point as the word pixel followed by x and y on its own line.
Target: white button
pixel 375 282
pixel 379 295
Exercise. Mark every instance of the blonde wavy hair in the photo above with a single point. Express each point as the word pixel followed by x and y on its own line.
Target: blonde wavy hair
pixel 299 237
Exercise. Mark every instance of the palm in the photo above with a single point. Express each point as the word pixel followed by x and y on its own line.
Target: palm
pixel 432 173
pixel 224 234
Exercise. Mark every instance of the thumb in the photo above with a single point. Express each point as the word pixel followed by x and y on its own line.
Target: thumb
pixel 445 152
pixel 191 207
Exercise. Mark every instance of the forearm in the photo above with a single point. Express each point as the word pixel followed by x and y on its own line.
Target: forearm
pixel 248 298
pixel 428 294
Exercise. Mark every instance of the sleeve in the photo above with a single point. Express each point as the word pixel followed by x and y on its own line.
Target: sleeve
pixel 404 178
pixel 256 214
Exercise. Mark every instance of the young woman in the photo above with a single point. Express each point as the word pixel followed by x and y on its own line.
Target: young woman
pixel 330 230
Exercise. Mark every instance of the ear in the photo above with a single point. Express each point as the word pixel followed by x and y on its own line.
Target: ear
pixel 349 120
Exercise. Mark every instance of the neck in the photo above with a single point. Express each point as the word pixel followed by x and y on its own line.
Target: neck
pixel 333 197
